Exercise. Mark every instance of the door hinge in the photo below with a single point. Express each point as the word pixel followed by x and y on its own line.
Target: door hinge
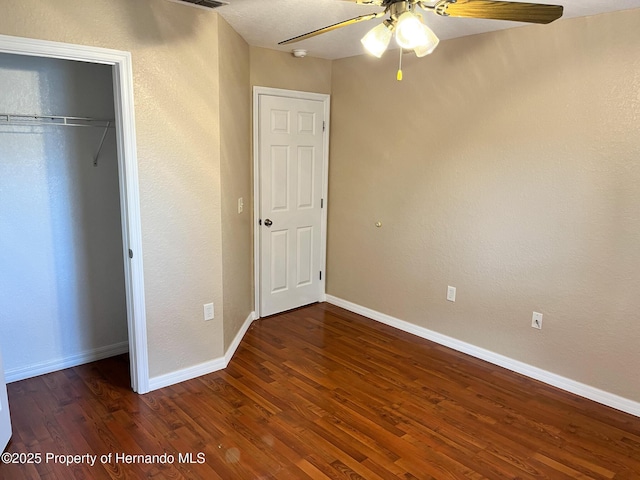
pixel 322 203
pixel 130 253
pixel 324 125
pixel 320 274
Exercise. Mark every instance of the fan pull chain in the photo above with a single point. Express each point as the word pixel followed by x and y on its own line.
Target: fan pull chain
pixel 399 76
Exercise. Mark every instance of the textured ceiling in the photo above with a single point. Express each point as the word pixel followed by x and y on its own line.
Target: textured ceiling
pixel 264 23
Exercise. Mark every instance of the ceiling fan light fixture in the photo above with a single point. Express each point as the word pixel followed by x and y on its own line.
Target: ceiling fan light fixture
pixel 410 32
pixel 429 46
pixel 377 39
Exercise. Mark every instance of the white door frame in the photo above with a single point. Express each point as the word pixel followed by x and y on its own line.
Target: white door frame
pixel 128 178
pixel 5 416
pixel 276 92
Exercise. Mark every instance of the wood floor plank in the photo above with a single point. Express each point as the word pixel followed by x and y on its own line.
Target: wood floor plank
pixel 323 393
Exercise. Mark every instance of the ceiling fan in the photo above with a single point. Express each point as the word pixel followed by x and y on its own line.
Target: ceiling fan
pixel 411 33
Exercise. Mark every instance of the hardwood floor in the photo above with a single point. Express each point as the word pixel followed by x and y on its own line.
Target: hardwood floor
pixel 322 393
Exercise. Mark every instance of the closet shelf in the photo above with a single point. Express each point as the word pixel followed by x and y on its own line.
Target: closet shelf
pixel 58 120
pixel 38 120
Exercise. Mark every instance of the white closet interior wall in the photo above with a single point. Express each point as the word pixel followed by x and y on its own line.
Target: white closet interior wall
pixel 62 295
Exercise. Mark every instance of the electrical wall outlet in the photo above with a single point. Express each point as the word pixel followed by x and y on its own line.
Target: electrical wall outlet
pixel 451 293
pixel 536 320
pixel 208 311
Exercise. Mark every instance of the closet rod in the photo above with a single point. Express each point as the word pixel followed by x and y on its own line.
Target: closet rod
pixel 38 120
pixel 59 120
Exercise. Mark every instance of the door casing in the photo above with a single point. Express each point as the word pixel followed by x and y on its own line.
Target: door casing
pixel 5 417
pixel 276 92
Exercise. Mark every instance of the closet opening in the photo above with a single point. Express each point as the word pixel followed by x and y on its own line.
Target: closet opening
pixel 71 284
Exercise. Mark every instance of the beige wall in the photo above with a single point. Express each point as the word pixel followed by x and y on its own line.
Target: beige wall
pixel 504 164
pixel 507 165
pixel 175 64
pixel 235 160
pixel 271 68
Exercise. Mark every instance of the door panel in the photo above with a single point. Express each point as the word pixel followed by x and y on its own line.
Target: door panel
pixel 5 419
pixel 291 161
pixel 279 269
pixel 280 178
pixel 306 178
pixel 305 256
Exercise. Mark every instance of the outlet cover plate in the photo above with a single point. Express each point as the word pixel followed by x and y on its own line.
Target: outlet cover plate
pixel 536 320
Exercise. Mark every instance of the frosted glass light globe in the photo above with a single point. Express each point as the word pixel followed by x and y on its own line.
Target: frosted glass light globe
pixel 410 31
pixel 377 40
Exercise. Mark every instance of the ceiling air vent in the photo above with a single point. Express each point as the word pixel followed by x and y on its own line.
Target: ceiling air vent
pixel 206 3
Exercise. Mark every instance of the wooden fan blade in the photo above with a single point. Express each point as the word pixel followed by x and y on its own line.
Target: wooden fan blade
pixel 495 10
pixel 366 2
pixel 331 27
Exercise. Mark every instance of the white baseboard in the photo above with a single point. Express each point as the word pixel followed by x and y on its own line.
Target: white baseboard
pixel 185 374
pixel 572 386
pixel 87 356
pixel 211 366
pixel 238 338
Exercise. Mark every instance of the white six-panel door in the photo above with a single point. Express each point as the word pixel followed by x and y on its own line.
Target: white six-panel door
pixel 5 419
pixel 291 165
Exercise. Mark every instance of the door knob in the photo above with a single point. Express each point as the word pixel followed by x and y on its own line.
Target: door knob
pixel 268 222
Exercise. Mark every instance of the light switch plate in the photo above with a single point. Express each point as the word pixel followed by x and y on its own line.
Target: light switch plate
pixel 451 293
pixel 208 311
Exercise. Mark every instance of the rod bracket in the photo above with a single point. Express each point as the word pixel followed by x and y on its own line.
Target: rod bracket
pixel 104 135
